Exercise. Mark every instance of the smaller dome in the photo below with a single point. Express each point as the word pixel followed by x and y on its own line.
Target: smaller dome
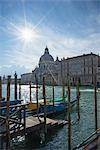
pixel 46 56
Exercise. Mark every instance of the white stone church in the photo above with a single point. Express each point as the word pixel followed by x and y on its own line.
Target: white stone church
pixel 82 67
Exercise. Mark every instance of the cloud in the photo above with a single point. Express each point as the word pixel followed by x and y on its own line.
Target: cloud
pixel 26 56
pixel 59 45
pixel 10 70
pixel 97 19
pixel 67 46
pixel 5 66
pixel 22 59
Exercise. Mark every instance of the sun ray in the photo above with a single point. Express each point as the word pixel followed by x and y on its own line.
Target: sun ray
pixel 43 18
pixel 24 12
pixel 10 23
pixel 25 33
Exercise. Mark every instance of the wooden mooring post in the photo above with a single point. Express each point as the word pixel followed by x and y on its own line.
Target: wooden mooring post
pixel 30 91
pixel 15 86
pixel 24 120
pixel 20 89
pixel 63 91
pixel 62 81
pixel 7 114
pixel 0 88
pixel 36 80
pixel 69 116
pixel 78 99
pixel 20 99
pixel 36 87
pixel 95 99
pixel 0 92
pixel 44 97
pixel 53 94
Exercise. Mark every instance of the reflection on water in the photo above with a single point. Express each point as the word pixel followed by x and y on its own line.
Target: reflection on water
pixel 80 130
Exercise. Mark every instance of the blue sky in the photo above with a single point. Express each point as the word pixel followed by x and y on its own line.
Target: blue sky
pixel 67 27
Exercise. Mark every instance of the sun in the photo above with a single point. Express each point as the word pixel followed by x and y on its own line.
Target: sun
pixel 24 33
pixel 27 34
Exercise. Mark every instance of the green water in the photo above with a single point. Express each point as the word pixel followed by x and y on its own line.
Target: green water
pixel 80 130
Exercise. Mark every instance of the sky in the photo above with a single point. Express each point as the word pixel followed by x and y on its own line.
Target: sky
pixel 67 27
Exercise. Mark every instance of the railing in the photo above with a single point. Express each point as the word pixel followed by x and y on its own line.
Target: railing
pixel 12 123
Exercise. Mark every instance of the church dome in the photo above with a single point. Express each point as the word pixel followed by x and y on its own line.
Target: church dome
pixel 46 56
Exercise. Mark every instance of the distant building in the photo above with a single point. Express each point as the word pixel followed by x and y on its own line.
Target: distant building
pixel 26 78
pixel 83 67
pixel 12 80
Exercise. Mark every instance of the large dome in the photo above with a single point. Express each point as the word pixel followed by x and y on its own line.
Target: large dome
pixel 46 56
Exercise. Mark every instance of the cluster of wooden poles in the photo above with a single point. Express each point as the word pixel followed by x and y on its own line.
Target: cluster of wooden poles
pixel 8 87
pixel 69 110
pixel 91 143
pixel 7 118
pixel 44 97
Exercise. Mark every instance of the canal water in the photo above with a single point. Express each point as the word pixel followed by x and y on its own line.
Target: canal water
pixel 80 130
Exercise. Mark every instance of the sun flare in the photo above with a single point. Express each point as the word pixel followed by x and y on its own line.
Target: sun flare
pixel 27 34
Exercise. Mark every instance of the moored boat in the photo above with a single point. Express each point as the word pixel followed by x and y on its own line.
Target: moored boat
pixel 59 106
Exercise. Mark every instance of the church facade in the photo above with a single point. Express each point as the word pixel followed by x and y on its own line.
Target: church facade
pixel 48 68
pixel 82 67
